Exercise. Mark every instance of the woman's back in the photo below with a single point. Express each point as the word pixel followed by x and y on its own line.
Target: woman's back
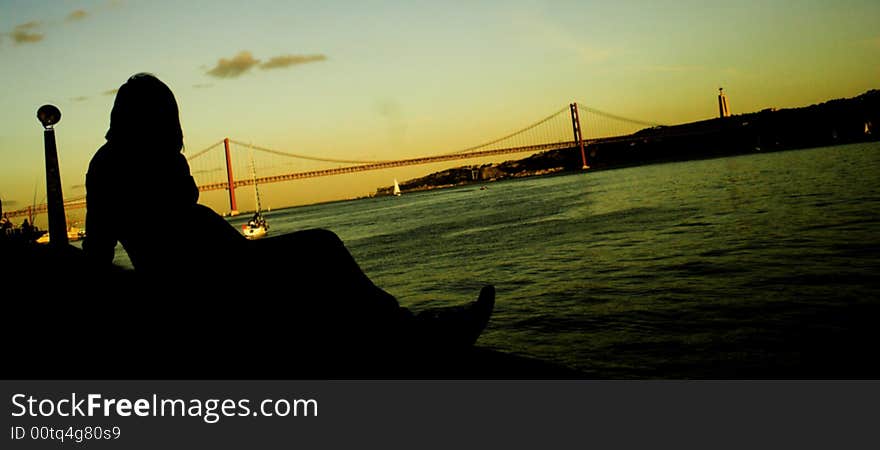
pixel 140 191
pixel 148 203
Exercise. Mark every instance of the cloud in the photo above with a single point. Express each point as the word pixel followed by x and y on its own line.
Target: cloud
pixel 33 24
pixel 279 62
pixel 110 92
pixel 244 61
pixel 23 34
pixel 79 14
pixel 234 67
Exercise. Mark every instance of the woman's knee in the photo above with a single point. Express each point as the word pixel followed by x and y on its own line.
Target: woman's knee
pixel 320 236
pixel 302 239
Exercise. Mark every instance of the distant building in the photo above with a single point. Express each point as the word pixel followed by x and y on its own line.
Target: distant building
pixel 723 108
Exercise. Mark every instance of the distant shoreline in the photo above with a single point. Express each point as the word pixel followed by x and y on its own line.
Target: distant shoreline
pixel 835 122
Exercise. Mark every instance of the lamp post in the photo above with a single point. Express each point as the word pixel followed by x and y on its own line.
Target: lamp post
pixel 49 115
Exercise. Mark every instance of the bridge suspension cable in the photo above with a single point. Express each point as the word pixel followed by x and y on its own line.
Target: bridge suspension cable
pixel 523 130
pixel 616 117
pixel 306 157
pixel 204 150
pixel 382 165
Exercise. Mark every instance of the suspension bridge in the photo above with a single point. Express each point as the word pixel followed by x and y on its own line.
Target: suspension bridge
pixel 215 167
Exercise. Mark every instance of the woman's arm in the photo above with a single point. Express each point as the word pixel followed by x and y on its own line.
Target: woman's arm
pixel 178 186
pixel 100 242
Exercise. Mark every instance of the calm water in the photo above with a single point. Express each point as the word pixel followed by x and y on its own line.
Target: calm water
pixel 758 265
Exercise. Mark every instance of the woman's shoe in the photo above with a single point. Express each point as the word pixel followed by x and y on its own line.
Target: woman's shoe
pixel 458 326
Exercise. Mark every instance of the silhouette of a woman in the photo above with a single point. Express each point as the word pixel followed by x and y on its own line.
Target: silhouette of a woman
pixel 139 177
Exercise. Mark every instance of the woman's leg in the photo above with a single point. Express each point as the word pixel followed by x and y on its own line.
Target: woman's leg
pixel 336 301
pixel 322 262
pixel 326 283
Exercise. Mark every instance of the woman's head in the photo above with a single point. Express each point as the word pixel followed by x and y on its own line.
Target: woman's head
pixel 145 114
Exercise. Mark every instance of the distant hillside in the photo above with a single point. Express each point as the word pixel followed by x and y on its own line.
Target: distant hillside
pixel 840 121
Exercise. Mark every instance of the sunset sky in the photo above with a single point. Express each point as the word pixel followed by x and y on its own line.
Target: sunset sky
pixel 399 79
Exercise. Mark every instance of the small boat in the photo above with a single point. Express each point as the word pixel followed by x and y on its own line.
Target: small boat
pixel 396 188
pixel 257 227
pixel 74 234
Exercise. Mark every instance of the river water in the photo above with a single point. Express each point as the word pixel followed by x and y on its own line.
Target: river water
pixel 761 265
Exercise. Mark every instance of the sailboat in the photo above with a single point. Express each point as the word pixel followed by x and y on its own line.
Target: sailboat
pixel 396 188
pixel 74 233
pixel 257 226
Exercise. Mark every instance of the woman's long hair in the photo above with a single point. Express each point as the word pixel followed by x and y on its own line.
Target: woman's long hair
pixel 145 114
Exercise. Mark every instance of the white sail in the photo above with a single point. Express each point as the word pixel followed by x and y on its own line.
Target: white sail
pixel 396 188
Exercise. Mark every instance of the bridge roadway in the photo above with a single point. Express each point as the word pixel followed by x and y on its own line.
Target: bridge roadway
pixel 81 203
pixel 416 161
pixel 42 208
pixel 386 165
